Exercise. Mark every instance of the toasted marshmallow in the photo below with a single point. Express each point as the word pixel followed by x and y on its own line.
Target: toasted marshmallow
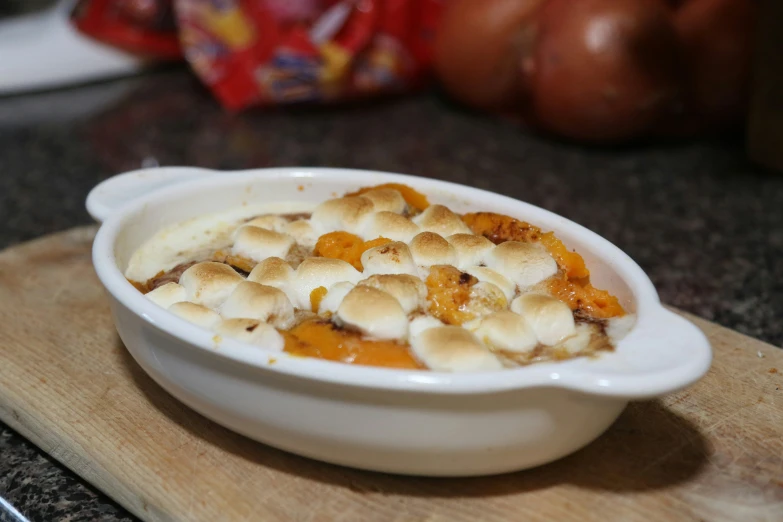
pixel 391 258
pixel 389 225
pixel 441 220
pixel 580 340
pixel 268 221
pixel 347 214
pixel 167 295
pixel 428 248
pixel 506 330
pixel 374 312
pixel 488 275
pixel 471 249
pixel 302 231
pixel 423 323
pixel 523 263
pixel 409 291
pixel 551 319
pixel 272 271
pixel 320 271
pixel 386 199
pixel 209 283
pixel 485 298
pixel 275 272
pixel 331 301
pixel 424 272
pixel 255 301
pixel 252 331
pixel 259 243
pixel 453 349
pixel 196 314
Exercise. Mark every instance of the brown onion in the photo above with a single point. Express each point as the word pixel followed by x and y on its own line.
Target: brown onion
pixel 717 42
pixel 605 70
pixel 601 70
pixel 479 47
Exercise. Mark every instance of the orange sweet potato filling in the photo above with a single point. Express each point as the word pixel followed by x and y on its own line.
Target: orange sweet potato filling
pixel 316 296
pixel 448 292
pixel 499 228
pixel 321 339
pixel 345 246
pixel 141 287
pixel 574 286
pixel 412 197
pixel 584 297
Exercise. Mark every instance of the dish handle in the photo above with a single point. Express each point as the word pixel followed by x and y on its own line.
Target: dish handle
pixel 664 353
pixel 112 194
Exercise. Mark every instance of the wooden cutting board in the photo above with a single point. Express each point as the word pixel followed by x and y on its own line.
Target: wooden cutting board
pixel 713 452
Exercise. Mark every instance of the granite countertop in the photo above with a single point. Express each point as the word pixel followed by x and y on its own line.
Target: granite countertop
pixel 705 224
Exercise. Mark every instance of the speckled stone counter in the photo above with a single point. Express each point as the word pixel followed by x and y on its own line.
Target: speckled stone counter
pixel 705 224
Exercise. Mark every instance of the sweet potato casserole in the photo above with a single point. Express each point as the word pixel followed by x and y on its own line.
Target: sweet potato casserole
pixel 381 277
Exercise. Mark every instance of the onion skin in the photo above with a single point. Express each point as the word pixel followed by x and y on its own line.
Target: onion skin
pixel 601 71
pixel 717 40
pixel 605 70
pixel 479 46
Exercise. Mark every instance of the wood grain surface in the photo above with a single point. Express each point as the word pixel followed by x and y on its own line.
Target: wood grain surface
pixel 712 453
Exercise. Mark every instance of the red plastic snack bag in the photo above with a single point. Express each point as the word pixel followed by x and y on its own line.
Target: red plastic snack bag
pixel 143 27
pixel 252 52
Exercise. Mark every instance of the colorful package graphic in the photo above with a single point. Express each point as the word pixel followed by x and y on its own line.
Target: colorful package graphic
pixel 253 52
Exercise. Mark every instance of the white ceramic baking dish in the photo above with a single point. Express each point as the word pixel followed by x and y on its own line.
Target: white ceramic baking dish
pixel 400 421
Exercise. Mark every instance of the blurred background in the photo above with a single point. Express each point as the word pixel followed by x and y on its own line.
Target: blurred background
pixel 591 71
pixel 656 123
pixel 632 117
